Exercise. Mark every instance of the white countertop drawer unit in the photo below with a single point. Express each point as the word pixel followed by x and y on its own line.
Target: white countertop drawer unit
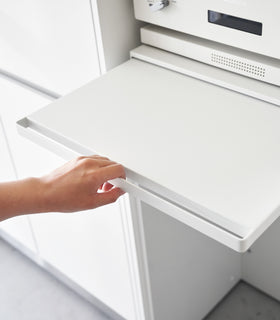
pixel 203 154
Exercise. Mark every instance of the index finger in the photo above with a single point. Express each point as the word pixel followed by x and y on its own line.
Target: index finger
pixel 111 172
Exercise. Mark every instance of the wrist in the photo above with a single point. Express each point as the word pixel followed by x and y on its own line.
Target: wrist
pixel 41 198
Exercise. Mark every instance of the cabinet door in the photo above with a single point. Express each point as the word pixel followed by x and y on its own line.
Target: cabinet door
pixel 6 168
pixel 49 43
pixel 14 101
pixel 87 247
pixel 18 228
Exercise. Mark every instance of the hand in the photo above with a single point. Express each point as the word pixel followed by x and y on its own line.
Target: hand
pixel 81 184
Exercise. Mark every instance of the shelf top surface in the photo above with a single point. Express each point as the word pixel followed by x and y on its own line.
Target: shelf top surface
pixel 209 145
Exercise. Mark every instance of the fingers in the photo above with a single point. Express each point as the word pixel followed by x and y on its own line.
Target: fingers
pixel 95 157
pixel 109 196
pixel 105 163
pixel 102 169
pixel 107 169
pixel 110 172
pixel 106 187
pixel 96 161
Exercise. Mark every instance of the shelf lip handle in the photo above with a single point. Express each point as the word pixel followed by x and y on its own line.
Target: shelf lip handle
pixel 235 242
pixel 28 129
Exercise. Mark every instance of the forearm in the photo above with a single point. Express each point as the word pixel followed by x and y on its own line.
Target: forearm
pixel 21 197
pixel 80 184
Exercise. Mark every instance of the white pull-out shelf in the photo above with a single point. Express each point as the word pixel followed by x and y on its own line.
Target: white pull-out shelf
pixel 203 154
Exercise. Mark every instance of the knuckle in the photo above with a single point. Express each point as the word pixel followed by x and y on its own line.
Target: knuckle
pixel 122 170
pixel 86 162
pixel 80 158
pixel 97 156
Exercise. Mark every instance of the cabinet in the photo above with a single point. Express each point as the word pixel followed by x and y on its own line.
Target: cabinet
pixel 58 46
pixel 55 47
pixel 15 100
pixel 185 158
pixel 50 44
pixel 88 247
pixel 15 151
pixel 186 269
pixel 117 31
pixel 18 228
pixel 6 168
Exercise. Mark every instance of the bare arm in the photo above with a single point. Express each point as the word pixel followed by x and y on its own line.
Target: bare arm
pixel 75 186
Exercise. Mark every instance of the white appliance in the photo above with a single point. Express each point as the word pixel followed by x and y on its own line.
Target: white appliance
pixel 246 24
pixel 199 143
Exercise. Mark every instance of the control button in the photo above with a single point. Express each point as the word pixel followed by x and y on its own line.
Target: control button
pixel 158 5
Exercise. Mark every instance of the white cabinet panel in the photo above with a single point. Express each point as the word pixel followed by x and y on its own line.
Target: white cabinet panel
pixel 89 248
pixel 6 169
pixel 14 101
pixel 50 43
pixel 261 265
pixel 18 227
pixel 186 268
pixel 117 31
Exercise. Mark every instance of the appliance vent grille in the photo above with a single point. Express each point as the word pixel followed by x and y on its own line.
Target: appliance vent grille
pixel 237 65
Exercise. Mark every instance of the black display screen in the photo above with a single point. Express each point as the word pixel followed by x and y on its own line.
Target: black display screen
pixel 233 22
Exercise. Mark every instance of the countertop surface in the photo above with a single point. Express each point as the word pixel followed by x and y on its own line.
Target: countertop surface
pixel 210 145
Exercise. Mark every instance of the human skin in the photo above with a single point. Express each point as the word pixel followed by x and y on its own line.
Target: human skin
pixel 78 185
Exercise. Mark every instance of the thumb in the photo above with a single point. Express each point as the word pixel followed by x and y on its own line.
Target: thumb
pixel 109 196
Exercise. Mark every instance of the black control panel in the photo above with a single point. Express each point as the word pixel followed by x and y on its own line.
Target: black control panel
pixel 233 22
